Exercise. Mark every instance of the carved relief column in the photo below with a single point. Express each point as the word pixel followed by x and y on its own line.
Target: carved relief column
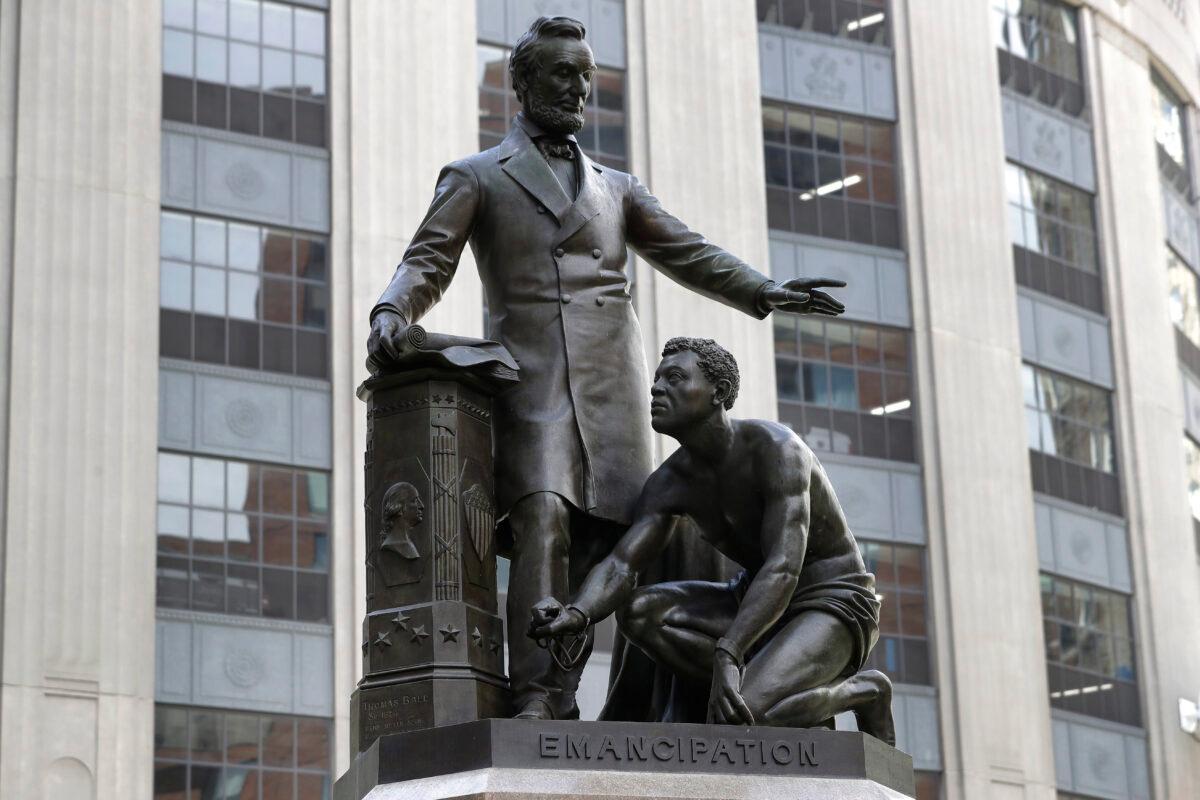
pixel 432 643
pixel 79 198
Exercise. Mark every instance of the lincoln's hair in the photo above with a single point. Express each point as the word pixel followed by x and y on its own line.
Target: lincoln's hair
pixel 715 362
pixel 526 58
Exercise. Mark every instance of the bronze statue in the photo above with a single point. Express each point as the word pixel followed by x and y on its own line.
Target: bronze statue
pixel 549 230
pixel 784 643
pixel 401 511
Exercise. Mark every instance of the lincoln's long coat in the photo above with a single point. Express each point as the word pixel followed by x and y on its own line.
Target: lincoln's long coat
pixel 558 296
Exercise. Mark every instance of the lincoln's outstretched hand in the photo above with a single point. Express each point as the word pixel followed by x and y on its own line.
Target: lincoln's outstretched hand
pixel 803 296
pixel 387 330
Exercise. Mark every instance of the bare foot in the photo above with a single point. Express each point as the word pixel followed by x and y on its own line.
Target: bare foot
pixel 874 714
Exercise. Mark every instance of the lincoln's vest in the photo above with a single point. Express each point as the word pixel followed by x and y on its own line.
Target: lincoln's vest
pixel 554 272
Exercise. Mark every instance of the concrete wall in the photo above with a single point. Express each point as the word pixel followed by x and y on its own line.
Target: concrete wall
pixel 1149 396
pixel 79 224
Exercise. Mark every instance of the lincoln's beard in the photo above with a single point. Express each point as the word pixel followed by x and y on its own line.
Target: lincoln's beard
pixel 549 118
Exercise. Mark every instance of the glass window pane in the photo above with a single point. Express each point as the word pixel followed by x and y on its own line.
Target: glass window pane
pixel 243 65
pixel 173 478
pixel 278 598
pixel 312 743
pixel 208 482
pixel 211 16
pixel 175 286
pixel 211 59
pixel 310 259
pixel 172 528
pixel 312 545
pixel 277 25
pixel 243 296
pixel 310 32
pixel 277 301
pixel 241 739
pixel 175 236
pixel 310 76
pixel 210 241
pixel 278 741
pixel 209 292
pixel 206 735
pixel 243 19
pixel 179 13
pixel 243 247
pixel 178 54
pixel 277 70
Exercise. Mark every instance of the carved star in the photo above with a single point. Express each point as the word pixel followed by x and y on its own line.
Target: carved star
pixel 494 644
pixel 477 637
pixel 382 640
pixel 419 634
pixel 366 645
pixel 400 621
pixel 449 633
pixel 437 398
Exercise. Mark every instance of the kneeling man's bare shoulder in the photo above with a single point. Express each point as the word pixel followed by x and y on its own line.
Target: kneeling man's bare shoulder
pixel 777 451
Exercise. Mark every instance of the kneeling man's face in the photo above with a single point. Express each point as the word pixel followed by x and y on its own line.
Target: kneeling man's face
pixel 681 396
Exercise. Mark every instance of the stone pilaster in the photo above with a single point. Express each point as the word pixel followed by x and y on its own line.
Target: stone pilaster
pixel 79 130
pixel 404 102
pixel 1149 401
pixel 984 571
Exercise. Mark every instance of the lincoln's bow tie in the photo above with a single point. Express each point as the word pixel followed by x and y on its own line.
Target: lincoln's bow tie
pixel 556 148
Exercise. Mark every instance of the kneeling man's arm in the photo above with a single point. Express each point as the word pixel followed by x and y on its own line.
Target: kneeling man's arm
pixel 610 582
pixel 784 541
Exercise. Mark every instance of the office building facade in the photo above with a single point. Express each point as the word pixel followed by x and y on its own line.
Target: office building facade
pixel 201 200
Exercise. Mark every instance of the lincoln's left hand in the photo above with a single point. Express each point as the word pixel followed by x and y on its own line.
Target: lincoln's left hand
pixel 803 296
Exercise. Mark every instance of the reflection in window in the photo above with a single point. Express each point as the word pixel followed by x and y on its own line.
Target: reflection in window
pixel 903 648
pixel 831 175
pixel 1169 115
pixel 1089 650
pixel 1053 231
pixel 858 20
pixel 845 387
pixel 244 295
pixel 249 66
pixel 242 538
pixel 1038 43
pixel 207 753
pixel 1069 419
pixel 1184 302
pixel 603 135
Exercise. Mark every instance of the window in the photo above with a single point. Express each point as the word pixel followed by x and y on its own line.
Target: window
pixel 603 134
pixel 1069 419
pixel 242 538
pixel 929 785
pixel 1038 43
pixel 249 66
pixel 1089 650
pixel 859 20
pixel 1053 230
pixel 1191 453
pixel 244 295
pixel 903 648
pixel 1185 305
pixel 1169 115
pixel 831 175
pixel 845 387
pixel 200 752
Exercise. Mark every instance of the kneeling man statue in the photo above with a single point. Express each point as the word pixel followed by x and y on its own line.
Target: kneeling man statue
pixel 783 643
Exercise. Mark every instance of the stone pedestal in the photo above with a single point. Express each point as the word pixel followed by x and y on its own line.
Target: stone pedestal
pixel 432 643
pixel 526 759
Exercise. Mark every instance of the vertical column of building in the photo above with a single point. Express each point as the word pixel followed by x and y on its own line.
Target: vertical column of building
pixel 982 543
pixel 604 139
pixel 243 681
pixel 404 104
pixel 1143 70
pixel 78 226
pixel 847 386
pixel 1068 384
